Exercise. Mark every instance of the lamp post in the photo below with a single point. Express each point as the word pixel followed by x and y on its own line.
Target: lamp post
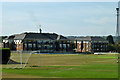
pixel 21 54
pixel 39 58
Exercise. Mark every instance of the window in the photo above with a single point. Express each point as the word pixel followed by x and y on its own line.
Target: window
pixel 84 41
pixel 34 45
pixel 50 46
pixel 30 45
pixel 60 45
pixel 39 46
pixel 44 41
pixel 25 45
pixel 39 42
pixel 79 45
pixel 68 45
pixel 86 45
pixel 97 49
pixel 64 45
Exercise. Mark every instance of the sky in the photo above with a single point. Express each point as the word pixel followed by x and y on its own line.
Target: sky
pixel 59 0
pixel 65 18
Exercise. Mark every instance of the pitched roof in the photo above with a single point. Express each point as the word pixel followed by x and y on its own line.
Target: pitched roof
pixel 20 36
pixel 34 36
pixel 42 36
pixel 98 39
pixel 10 37
pixel 84 39
pixel 89 38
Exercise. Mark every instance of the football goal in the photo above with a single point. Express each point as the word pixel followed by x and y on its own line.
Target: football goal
pixel 18 59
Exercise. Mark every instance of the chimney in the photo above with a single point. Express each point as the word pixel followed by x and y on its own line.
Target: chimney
pixel 117 29
pixel 118 26
pixel 39 30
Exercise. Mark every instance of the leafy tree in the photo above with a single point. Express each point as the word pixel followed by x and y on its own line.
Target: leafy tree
pixel 110 39
pixel 118 47
pixel 119 42
pixel 111 47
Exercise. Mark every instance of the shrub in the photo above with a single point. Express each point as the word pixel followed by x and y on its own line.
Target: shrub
pixel 5 54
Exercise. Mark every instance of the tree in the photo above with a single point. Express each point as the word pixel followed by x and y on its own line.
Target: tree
pixel 118 47
pixel 111 47
pixel 110 39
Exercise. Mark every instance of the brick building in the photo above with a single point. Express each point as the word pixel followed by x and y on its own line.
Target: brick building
pixel 45 42
pixel 90 44
pixel 54 43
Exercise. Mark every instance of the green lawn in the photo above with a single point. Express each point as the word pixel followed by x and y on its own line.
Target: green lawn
pixel 69 66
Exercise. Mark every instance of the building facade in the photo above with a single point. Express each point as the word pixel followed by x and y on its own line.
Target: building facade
pixel 54 43
pixel 90 44
pixel 45 42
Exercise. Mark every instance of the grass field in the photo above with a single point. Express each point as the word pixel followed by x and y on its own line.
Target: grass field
pixel 66 66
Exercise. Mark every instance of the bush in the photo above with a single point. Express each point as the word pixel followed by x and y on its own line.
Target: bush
pixel 5 54
pixel 111 47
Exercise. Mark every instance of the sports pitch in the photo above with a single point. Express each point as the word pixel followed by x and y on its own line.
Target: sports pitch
pixel 65 66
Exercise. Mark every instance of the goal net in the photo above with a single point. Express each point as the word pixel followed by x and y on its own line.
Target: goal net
pixel 18 59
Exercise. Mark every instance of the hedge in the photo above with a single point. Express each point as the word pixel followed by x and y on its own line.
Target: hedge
pixel 5 54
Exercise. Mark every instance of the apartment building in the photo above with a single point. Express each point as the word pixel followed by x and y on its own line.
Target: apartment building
pixel 90 44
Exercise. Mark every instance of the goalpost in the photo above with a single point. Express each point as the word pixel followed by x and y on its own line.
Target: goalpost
pixel 18 59
pixel 34 60
pixel 22 59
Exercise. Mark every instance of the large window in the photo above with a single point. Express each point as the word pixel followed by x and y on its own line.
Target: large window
pixel 34 45
pixel 25 45
pixel 60 45
pixel 30 45
pixel 80 45
pixel 64 45
pixel 39 42
pixel 68 45
pixel 86 45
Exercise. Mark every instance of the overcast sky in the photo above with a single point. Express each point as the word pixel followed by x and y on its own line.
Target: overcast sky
pixel 65 18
